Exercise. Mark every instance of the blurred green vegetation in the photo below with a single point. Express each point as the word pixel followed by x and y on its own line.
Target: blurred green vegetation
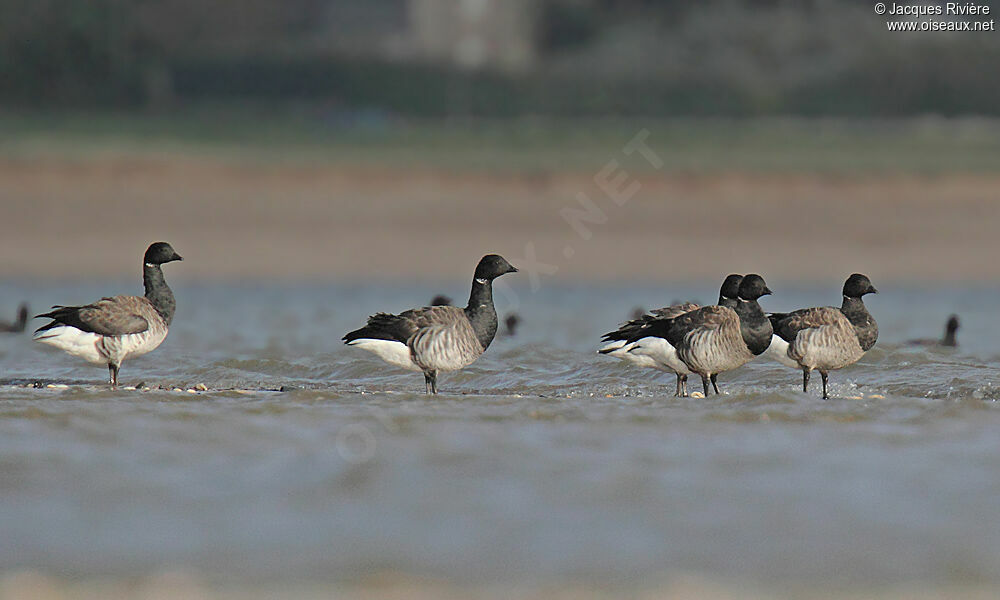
pixel 595 58
pixel 264 135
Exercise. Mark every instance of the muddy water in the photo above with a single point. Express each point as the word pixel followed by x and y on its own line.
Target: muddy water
pixel 543 463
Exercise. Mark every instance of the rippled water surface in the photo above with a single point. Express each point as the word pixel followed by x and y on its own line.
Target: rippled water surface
pixel 542 462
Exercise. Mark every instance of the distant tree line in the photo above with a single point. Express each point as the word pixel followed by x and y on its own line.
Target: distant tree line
pixel 625 57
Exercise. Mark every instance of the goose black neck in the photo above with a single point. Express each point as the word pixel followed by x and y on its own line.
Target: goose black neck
pixel 864 323
pixel 481 312
pixel 158 292
pixel 755 327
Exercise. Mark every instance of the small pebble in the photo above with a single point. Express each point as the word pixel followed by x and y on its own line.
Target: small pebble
pixel 192 391
pixel 57 386
pixel 697 395
pixel 877 396
pixel 201 387
pixel 178 390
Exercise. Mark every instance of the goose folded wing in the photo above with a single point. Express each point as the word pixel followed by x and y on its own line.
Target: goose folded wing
pixel 639 328
pixel 401 327
pixel 109 316
pixel 809 318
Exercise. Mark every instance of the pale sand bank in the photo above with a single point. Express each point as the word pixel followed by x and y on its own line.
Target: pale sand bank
pixel 93 218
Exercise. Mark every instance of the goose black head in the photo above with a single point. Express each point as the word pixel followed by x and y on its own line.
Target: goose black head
pixel 858 285
pixel 159 253
pixel 492 266
pixel 731 287
pixel 753 287
pixel 952 325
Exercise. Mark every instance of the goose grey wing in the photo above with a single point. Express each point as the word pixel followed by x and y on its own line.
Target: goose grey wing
pixel 676 310
pixel 119 315
pixel 401 327
pixel 638 328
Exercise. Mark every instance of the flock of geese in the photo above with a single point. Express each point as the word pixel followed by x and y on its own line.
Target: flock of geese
pixel 683 339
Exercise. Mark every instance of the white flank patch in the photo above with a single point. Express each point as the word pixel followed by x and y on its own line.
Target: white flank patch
pixel 778 351
pixel 660 351
pixel 75 342
pixel 392 352
pixel 620 349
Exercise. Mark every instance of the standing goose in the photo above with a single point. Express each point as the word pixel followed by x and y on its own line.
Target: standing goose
pixel 827 338
pixel 658 353
pixel 113 329
pixel 714 339
pixel 18 325
pixel 437 338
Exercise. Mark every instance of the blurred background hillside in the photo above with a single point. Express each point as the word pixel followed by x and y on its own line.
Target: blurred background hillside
pixel 492 58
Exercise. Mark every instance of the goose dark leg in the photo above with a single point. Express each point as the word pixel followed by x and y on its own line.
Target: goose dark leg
pixel 715 383
pixel 434 382
pixel 704 384
pixel 427 382
pixel 805 380
pixel 824 375
pixel 678 392
pixel 113 369
pixel 684 385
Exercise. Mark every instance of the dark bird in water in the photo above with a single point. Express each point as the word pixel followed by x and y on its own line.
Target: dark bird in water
pixel 949 340
pixel 511 323
pixel 113 329
pixel 441 300
pixel 826 338
pixel 656 352
pixel 437 338
pixel 19 325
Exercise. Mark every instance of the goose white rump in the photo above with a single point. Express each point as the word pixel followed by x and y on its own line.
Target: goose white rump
pixel 101 349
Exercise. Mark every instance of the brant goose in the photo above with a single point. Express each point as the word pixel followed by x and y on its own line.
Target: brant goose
pixel 437 338
pixel 826 338
pixel 18 325
pixel 656 352
pixel 714 339
pixel 113 329
pixel 949 341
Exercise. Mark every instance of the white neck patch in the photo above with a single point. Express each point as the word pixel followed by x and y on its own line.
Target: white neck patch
pixel 482 281
pixel 150 265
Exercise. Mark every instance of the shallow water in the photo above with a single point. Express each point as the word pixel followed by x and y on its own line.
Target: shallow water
pixel 542 463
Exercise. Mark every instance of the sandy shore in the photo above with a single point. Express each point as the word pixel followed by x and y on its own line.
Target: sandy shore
pixel 92 218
